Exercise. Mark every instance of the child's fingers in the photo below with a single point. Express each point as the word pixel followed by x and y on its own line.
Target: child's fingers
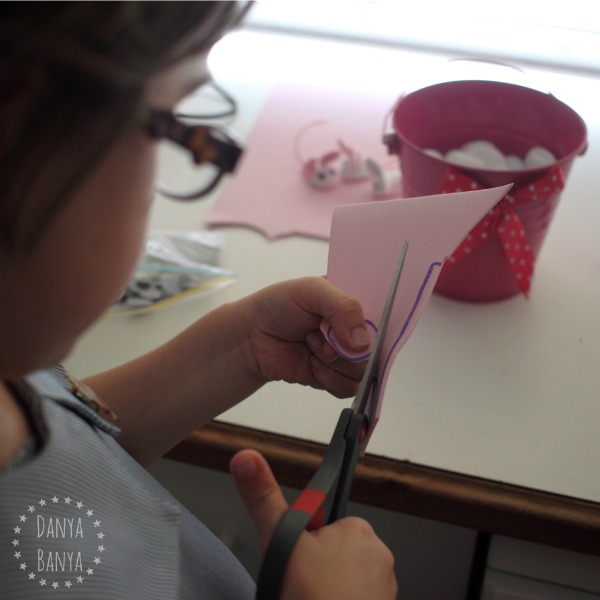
pixel 259 492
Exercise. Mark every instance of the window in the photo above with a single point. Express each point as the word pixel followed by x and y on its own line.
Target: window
pixel 524 31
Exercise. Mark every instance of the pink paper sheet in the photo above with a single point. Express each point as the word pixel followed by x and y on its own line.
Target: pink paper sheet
pixel 364 247
pixel 267 191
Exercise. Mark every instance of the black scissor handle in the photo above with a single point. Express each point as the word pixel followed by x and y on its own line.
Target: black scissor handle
pixel 321 502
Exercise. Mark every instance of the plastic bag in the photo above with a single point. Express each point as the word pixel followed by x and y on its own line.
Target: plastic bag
pixel 174 266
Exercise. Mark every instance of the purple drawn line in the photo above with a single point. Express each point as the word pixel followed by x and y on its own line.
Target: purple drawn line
pixel 402 332
pixel 411 314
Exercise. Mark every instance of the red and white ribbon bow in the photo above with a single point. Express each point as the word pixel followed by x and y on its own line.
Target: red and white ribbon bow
pixel 504 221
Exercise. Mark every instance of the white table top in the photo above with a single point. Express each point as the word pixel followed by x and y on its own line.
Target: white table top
pixel 506 391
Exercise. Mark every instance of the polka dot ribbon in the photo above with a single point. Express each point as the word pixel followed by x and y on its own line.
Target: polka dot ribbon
pixel 503 220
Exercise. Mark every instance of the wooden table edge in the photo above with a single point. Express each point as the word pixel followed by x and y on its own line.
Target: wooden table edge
pixel 413 489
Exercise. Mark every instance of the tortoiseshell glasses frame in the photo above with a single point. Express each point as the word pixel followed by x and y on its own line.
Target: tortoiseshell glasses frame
pixel 206 145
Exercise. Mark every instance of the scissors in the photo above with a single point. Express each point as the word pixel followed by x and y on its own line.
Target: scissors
pixel 324 499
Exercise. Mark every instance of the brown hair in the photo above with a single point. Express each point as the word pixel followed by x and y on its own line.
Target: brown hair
pixel 72 76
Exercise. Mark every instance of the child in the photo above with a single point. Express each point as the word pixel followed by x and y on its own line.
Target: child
pixel 85 90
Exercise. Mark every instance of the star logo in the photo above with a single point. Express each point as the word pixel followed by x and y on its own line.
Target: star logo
pixel 53 514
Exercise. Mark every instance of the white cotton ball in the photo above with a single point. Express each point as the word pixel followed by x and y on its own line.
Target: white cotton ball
pixel 514 162
pixel 433 152
pixel 539 157
pixel 496 163
pixel 490 155
pixel 458 157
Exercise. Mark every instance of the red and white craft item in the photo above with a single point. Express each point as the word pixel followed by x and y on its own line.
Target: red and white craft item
pixel 321 172
pixel 503 221
pixel 354 167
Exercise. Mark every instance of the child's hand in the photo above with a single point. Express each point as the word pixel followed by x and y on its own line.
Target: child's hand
pixel 342 560
pixel 281 329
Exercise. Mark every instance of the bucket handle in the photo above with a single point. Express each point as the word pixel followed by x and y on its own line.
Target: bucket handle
pixel 388 135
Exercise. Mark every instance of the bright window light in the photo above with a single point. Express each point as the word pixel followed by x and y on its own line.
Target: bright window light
pixel 520 31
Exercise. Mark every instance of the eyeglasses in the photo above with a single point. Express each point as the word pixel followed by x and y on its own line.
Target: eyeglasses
pixel 199 160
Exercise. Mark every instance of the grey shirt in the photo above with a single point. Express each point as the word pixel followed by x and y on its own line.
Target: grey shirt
pixel 80 518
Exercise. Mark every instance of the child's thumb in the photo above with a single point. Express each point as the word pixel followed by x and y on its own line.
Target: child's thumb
pixel 259 492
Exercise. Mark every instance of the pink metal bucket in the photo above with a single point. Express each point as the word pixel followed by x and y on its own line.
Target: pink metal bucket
pixel 514 118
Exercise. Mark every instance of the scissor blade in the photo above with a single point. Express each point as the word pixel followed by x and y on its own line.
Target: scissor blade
pixel 365 388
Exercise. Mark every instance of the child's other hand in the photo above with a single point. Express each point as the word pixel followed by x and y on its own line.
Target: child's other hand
pixel 281 327
pixel 342 560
